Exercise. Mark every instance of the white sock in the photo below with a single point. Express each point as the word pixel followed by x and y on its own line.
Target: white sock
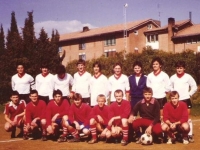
pixel 191 127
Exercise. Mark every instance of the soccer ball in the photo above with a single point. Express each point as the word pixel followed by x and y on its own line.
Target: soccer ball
pixel 146 139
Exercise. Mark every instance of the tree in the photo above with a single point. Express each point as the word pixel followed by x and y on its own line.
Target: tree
pixel 2 41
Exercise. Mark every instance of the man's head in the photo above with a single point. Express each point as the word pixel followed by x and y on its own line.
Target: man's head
pixel 137 67
pixel 14 97
pixel 117 68
pixel 180 67
pixel 44 69
pixel 174 98
pixel 77 99
pixel 57 95
pixel 96 67
pixel 20 68
pixel 33 96
pixel 60 70
pixel 147 93
pixel 156 63
pixel 81 65
pixel 118 96
pixel 101 100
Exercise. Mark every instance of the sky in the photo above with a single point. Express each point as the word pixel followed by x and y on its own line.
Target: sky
pixel 71 15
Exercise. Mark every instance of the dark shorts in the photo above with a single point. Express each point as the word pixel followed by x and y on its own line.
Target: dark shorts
pixel 58 121
pixel 134 100
pixel 24 97
pixel 44 98
pixel 86 100
pixel 188 103
pixel 161 101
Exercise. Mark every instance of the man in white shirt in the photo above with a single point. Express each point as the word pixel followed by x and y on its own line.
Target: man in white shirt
pixel 44 84
pixel 98 84
pixel 63 81
pixel 22 82
pixel 186 86
pixel 81 82
pixel 118 81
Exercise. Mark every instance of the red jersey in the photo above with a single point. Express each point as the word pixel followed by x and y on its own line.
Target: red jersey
pixel 103 112
pixel 80 114
pixel 53 108
pixel 122 110
pixel 174 114
pixel 13 110
pixel 33 111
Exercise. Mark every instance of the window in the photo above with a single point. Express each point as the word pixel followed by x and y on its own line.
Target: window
pixel 135 32
pixel 110 52
pixel 149 26
pixel 82 46
pixel 110 41
pixel 152 38
pixel 82 56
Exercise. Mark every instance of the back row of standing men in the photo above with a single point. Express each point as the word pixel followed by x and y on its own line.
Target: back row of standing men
pixel 92 86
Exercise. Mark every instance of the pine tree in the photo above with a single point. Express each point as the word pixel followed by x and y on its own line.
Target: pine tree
pixel 2 41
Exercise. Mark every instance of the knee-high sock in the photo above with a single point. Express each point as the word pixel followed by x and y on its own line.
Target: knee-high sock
pixel 191 127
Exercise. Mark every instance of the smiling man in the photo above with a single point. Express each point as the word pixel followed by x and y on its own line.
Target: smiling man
pixel 175 117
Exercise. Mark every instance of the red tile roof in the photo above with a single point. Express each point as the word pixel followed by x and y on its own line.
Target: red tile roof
pixel 105 30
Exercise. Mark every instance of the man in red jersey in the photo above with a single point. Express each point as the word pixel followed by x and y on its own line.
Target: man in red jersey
pixel 118 114
pixel 35 115
pixel 175 117
pixel 14 112
pixel 99 120
pixel 78 118
pixel 56 110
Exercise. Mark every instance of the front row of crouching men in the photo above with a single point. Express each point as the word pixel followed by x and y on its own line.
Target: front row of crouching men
pixel 102 122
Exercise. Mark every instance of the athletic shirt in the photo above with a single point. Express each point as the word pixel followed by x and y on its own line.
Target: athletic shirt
pixel 23 84
pixel 44 85
pixel 98 85
pixel 121 83
pixel 185 85
pixel 13 110
pixel 63 84
pixel 159 83
pixel 81 84
pixel 33 111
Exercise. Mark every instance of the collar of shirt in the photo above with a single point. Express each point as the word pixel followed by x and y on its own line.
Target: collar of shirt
pixel 151 101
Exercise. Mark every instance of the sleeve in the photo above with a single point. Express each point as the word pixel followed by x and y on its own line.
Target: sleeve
pixel 12 84
pixel 106 87
pixel 74 84
pixel 28 114
pixel 44 107
pixel 110 112
pixel 6 110
pixel 71 80
pixel 156 113
pixel 127 85
pixel 165 113
pixel 87 120
pixel 193 86
pixel 126 110
pixel 167 83
pixel 51 85
pixel 171 83
pixel 185 115
pixel 48 114
pixel 109 85
pixel 148 81
pixel 37 84
pixel 71 114
pixel 65 110
pixel 32 82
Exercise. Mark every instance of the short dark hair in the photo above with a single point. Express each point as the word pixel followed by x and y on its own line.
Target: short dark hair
pixel 97 64
pixel 117 64
pixel 180 64
pixel 44 65
pixel 60 69
pixel 158 59
pixel 13 93
pixel 33 92
pixel 80 61
pixel 77 96
pixel 119 91
pixel 55 92
pixel 22 64
pixel 147 90
pixel 137 63
pixel 173 93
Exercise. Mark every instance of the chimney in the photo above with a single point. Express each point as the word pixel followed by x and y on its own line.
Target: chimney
pixel 190 16
pixel 171 24
pixel 86 28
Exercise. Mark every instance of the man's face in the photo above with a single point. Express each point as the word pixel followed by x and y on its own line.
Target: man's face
pixel 137 69
pixel 180 70
pixel 45 71
pixel 147 96
pixel 15 99
pixel 118 97
pixel 101 101
pixel 156 66
pixel 81 67
pixel 61 76
pixel 34 97
pixel 117 70
pixel 78 102
pixel 96 69
pixel 20 69
pixel 174 100
pixel 58 98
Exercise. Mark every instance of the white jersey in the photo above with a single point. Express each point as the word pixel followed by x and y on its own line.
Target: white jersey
pixel 98 85
pixel 120 83
pixel 44 85
pixel 185 85
pixel 81 84
pixel 160 84
pixel 22 84
pixel 63 84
